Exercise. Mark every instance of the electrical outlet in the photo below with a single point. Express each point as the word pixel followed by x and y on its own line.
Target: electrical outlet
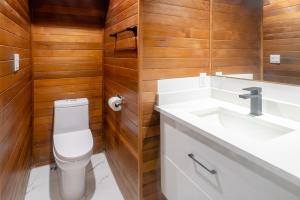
pixel 274 59
pixel 16 62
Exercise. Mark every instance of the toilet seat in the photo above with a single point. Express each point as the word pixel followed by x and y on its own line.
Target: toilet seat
pixel 73 146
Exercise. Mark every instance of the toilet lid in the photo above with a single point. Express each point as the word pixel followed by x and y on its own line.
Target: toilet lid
pixel 73 145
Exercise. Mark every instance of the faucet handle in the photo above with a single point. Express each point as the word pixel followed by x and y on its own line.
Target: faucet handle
pixel 254 90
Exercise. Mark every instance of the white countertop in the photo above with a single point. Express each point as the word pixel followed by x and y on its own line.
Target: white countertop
pixel 279 155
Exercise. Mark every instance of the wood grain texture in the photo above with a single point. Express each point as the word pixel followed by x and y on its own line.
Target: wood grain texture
pixel 69 12
pixel 236 36
pixel 281 25
pixel 121 77
pixel 67 63
pixel 175 44
pixel 15 99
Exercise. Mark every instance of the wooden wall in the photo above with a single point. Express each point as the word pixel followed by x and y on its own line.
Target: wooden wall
pixel 236 36
pixel 281 25
pixel 121 77
pixel 69 12
pixel 15 99
pixel 67 63
pixel 175 44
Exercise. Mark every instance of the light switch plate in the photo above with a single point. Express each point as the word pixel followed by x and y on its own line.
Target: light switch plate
pixel 202 79
pixel 274 59
pixel 219 73
pixel 16 62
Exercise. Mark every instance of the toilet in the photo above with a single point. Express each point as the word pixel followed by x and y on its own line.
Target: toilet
pixel 72 145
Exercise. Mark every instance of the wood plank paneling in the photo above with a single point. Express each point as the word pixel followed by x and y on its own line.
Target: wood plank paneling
pixel 175 44
pixel 236 36
pixel 15 99
pixel 121 77
pixel 67 12
pixel 281 25
pixel 67 63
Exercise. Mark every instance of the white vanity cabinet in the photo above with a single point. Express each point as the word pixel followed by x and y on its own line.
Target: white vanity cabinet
pixel 195 168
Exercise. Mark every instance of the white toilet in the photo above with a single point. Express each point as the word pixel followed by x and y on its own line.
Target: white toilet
pixel 72 145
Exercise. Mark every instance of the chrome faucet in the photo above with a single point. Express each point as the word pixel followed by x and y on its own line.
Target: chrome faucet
pixel 256 100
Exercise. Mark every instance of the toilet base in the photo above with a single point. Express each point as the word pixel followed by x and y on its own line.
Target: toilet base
pixel 72 183
pixel 72 176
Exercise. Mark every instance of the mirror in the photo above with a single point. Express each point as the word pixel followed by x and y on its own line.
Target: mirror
pixel 256 39
pixel 236 38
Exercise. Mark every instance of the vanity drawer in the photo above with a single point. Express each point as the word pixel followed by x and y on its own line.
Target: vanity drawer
pixel 176 185
pixel 232 181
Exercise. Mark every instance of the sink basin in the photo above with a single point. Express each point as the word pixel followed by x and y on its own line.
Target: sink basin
pixel 247 127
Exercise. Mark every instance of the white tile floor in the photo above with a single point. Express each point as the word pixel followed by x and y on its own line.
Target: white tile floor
pixel 101 184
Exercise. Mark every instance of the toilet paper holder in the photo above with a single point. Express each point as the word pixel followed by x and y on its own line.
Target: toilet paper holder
pixel 121 101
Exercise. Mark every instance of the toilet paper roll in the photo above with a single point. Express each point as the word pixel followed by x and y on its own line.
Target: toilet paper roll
pixel 115 103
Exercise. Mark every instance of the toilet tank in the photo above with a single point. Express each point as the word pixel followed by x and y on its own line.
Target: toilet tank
pixel 71 115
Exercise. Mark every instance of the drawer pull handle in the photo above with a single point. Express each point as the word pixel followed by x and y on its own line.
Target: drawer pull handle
pixel 195 160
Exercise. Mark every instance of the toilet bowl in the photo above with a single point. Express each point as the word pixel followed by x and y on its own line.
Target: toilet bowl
pixel 72 146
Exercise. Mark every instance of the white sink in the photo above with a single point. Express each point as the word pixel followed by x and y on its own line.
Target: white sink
pixel 238 125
